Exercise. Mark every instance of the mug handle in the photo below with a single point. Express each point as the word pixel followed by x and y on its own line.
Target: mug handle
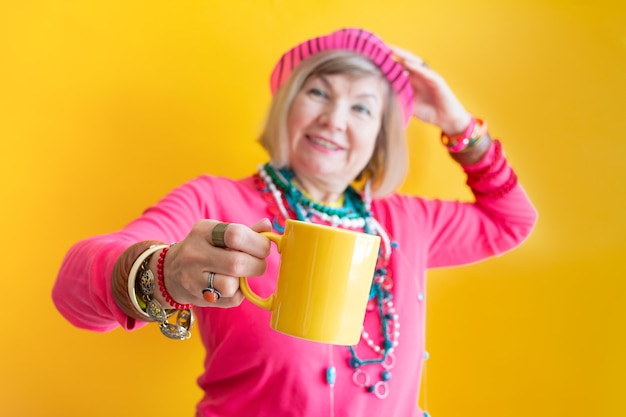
pixel 255 299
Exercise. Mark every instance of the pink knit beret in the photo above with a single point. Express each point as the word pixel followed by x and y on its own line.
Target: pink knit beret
pixel 356 40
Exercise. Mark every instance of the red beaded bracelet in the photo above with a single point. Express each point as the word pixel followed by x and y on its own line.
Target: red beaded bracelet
pixel 161 281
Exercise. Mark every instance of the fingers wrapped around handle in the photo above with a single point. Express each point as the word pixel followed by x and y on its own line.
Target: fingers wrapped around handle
pixel 199 272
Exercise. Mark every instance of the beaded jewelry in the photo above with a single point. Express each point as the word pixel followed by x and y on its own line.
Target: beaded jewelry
pixel 285 194
pixel 475 132
pixel 154 309
pixel 161 280
pixel 286 201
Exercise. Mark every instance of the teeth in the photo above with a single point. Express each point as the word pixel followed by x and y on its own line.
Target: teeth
pixel 324 143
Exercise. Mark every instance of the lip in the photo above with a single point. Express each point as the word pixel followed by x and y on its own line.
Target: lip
pixel 323 143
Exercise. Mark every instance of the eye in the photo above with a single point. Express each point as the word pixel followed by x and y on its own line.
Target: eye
pixel 362 109
pixel 317 92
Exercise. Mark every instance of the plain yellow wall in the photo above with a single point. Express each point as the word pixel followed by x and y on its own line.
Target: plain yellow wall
pixel 105 106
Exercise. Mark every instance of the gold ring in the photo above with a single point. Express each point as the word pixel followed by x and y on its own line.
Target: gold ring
pixel 217 235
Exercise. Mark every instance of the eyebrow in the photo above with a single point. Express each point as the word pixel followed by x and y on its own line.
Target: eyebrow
pixel 362 95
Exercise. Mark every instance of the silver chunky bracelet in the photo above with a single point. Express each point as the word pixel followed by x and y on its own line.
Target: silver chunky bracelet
pixel 184 318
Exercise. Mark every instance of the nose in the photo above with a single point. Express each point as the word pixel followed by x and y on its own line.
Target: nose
pixel 334 117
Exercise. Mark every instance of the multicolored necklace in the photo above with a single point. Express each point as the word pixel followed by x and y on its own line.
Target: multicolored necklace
pixel 286 201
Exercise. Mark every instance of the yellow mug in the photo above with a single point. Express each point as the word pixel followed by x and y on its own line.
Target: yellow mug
pixel 323 285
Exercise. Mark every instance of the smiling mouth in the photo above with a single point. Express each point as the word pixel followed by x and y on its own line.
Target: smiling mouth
pixel 323 143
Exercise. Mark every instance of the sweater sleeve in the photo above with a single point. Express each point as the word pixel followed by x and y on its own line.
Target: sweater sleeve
pixel 456 233
pixel 82 291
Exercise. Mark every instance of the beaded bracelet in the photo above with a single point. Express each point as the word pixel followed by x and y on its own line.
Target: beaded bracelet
pixel 184 318
pixel 454 142
pixel 161 279
pixel 479 134
pixel 473 133
pixel 132 276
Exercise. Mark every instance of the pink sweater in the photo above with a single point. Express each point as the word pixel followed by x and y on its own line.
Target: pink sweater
pixel 253 370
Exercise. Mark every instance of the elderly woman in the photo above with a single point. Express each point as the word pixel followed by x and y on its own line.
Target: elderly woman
pixel 335 137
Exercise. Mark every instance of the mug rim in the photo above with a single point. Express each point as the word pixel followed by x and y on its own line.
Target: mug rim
pixel 302 223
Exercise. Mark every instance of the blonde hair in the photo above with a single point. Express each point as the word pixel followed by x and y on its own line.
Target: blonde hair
pixel 389 163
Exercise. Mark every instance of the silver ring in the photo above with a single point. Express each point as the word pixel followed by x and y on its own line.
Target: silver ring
pixel 217 235
pixel 209 293
pixel 210 280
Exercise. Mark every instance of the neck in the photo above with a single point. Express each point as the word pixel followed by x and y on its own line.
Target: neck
pixel 326 190
pixel 320 194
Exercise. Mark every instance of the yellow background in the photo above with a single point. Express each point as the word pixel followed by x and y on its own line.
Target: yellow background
pixel 105 106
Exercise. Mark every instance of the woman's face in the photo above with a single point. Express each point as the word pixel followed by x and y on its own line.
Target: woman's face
pixel 332 127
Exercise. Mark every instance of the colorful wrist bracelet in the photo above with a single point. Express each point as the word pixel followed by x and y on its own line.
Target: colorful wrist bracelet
pixel 456 141
pixel 474 133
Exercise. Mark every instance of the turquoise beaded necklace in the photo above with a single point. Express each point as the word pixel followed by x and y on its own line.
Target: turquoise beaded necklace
pixel 286 201
pixel 353 213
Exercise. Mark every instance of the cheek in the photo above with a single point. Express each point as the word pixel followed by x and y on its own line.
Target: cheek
pixel 296 119
pixel 367 145
pixel 292 128
pixel 368 141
